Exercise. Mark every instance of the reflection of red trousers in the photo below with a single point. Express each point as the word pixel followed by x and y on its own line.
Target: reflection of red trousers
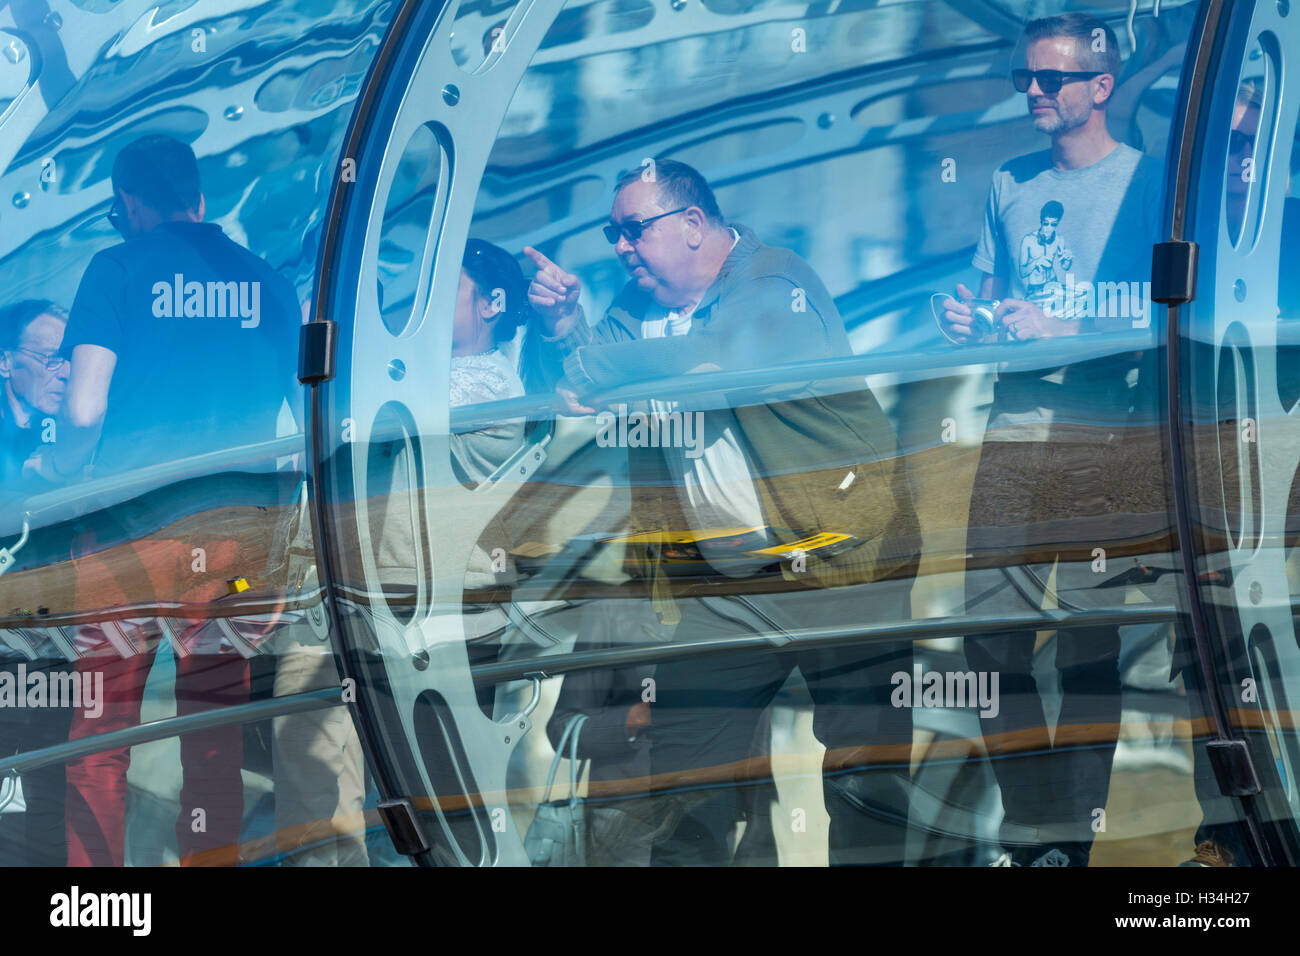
pixel 206 678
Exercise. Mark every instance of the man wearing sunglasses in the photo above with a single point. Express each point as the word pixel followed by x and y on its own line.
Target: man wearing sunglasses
pixel 799 459
pixel 1057 224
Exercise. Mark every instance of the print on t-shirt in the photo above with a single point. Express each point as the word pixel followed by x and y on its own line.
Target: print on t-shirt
pixel 1077 244
pixel 1044 258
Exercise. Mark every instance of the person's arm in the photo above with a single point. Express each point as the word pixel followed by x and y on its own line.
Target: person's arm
pixel 1025 322
pixel 615 712
pixel 561 328
pixel 84 405
pixel 94 338
pixel 553 293
pixel 755 327
pixel 992 263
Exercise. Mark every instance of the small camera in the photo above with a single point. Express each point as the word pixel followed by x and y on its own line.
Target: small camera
pixel 983 322
pixel 984 326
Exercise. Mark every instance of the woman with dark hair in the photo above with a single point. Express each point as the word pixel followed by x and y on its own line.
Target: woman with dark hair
pixel 491 305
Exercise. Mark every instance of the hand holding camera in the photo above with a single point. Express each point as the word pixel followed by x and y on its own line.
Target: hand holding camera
pixel 1024 321
pixel 967 320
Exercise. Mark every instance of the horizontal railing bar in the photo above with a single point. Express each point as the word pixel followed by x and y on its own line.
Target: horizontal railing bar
pixel 1045 354
pixel 304 702
pixel 129 483
pixel 231 606
pixel 818 637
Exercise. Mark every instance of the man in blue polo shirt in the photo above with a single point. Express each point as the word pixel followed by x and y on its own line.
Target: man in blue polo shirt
pixel 182 343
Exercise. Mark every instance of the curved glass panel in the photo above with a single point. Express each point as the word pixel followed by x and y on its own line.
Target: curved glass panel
pixel 251 792
pixel 805 570
pixel 749 418
pixel 166 179
pixel 1239 415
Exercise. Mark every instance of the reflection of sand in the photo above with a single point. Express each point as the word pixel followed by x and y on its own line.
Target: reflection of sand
pixel 1152 810
pixel 53 586
pixel 546 514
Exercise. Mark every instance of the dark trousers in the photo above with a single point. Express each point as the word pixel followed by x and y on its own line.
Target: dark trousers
pixel 1035 506
pixel 35 837
pixel 706 710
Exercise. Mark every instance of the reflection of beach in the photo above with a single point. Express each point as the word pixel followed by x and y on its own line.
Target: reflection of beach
pixel 1152 811
pixel 544 515
pixel 53 586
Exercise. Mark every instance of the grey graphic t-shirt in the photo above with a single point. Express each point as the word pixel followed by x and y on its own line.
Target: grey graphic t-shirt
pixel 1077 243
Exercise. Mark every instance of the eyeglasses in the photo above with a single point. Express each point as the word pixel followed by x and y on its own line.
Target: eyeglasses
pixel 117 216
pixel 1049 81
pixel 633 228
pixel 1239 142
pixel 52 360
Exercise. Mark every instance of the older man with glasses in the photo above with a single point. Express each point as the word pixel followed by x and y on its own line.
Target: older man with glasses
pixel 35 374
pixel 802 459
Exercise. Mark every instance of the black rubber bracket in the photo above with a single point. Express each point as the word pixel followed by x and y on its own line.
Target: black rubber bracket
pixel 403 827
pixel 316 347
pixel 1173 271
pixel 1233 768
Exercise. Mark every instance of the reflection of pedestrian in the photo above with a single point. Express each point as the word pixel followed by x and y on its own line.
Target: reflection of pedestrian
pixel 1050 450
pixel 703 293
pixel 491 305
pixel 320 787
pixel 183 343
pixel 616 735
pixel 34 369
pixel 34 372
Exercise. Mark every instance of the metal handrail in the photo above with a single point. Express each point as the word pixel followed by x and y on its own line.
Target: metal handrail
pixel 820 637
pixel 63 502
pixel 304 702
pixel 536 668
pixel 1047 353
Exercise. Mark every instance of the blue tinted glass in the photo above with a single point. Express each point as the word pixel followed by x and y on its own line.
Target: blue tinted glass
pixel 843 582
pixel 158 558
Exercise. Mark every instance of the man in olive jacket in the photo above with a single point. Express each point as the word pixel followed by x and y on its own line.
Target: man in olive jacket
pixel 793 454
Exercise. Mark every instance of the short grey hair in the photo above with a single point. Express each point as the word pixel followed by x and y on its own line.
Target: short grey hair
pixel 679 185
pixel 1081 28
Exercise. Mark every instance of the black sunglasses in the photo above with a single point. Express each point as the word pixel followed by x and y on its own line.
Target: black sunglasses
pixel 1049 81
pixel 633 228
pixel 1239 142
